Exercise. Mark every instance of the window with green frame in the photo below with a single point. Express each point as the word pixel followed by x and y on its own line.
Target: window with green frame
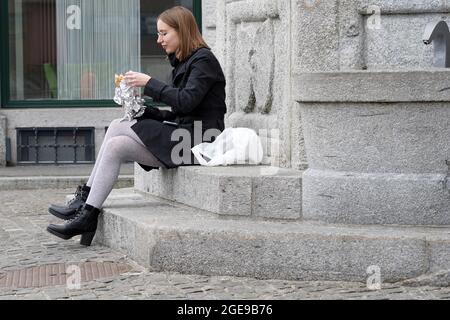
pixel 64 53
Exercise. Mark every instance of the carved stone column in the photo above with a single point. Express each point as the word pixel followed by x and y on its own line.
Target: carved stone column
pixel 253 41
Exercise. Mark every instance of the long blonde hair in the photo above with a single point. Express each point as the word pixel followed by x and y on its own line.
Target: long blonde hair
pixel 183 21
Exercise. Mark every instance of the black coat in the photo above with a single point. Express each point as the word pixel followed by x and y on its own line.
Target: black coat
pixel 197 93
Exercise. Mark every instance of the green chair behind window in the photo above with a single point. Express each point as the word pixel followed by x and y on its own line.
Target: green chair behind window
pixel 50 75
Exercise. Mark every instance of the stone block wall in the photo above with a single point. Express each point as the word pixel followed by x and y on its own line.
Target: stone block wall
pixel 370 99
pixel 336 35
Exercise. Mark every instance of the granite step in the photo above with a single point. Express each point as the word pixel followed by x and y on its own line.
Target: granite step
pixel 164 235
pixel 254 191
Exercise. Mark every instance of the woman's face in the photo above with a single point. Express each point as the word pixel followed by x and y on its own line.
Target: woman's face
pixel 167 37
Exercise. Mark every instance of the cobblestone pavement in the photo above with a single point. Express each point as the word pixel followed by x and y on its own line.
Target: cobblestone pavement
pixel 24 243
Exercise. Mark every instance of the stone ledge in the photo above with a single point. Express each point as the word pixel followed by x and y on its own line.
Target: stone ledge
pixel 166 236
pixel 257 191
pixel 373 86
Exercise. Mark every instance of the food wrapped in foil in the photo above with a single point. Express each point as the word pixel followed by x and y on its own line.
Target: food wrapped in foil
pixel 128 97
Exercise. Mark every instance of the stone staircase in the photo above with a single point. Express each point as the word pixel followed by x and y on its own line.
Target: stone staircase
pixel 247 221
pixel 256 191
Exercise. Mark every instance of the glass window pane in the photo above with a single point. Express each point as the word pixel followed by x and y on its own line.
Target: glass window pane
pixel 153 57
pixel 66 154
pixel 65 137
pixel 26 152
pixel 46 137
pixel 71 49
pixel 86 142
pixel 32 44
pixel 66 151
pixel 46 141
pixel 46 154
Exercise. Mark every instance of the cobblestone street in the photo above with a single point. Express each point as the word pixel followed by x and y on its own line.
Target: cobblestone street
pixel 25 244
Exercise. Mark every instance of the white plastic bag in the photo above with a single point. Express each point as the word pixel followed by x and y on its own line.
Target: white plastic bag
pixel 232 146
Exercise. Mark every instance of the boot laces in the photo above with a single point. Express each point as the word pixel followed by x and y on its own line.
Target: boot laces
pixel 78 213
pixel 77 195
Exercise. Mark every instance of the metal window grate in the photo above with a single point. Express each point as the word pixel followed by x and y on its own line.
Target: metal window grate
pixel 55 145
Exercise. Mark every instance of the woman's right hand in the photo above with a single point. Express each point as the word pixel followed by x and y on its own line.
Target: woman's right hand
pixel 136 79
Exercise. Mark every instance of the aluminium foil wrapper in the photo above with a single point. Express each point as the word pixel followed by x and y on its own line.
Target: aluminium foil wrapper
pixel 129 98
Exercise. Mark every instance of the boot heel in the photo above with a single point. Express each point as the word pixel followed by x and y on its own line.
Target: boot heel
pixel 86 238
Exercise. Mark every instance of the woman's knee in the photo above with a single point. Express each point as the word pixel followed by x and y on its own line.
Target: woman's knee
pixel 116 128
pixel 118 147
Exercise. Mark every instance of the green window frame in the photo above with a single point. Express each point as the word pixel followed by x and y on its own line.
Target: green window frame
pixel 6 102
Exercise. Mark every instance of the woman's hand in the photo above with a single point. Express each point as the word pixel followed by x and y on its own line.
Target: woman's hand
pixel 136 79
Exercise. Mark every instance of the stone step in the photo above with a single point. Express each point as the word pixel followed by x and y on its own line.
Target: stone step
pixel 55 182
pixel 256 191
pixel 167 236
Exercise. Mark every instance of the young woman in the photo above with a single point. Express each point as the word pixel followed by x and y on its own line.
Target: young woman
pixel 196 95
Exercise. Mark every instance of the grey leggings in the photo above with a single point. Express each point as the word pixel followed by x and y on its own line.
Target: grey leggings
pixel 120 144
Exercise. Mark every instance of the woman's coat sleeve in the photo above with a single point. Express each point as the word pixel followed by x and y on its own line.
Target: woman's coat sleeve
pixel 183 100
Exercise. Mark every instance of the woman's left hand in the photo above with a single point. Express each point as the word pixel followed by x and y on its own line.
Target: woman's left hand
pixel 136 79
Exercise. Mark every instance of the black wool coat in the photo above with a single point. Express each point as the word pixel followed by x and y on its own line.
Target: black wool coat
pixel 196 94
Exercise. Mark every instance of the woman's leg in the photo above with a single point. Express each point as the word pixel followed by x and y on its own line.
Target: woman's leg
pixel 116 150
pixel 116 128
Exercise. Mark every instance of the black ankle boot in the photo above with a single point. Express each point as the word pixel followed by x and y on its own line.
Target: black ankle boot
pixel 68 212
pixel 84 223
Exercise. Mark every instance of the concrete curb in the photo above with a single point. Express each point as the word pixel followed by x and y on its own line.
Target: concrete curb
pixel 55 182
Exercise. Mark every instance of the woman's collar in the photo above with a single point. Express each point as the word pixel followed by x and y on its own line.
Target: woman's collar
pixel 173 59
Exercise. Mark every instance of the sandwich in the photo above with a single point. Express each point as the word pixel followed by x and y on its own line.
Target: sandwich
pixel 118 79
